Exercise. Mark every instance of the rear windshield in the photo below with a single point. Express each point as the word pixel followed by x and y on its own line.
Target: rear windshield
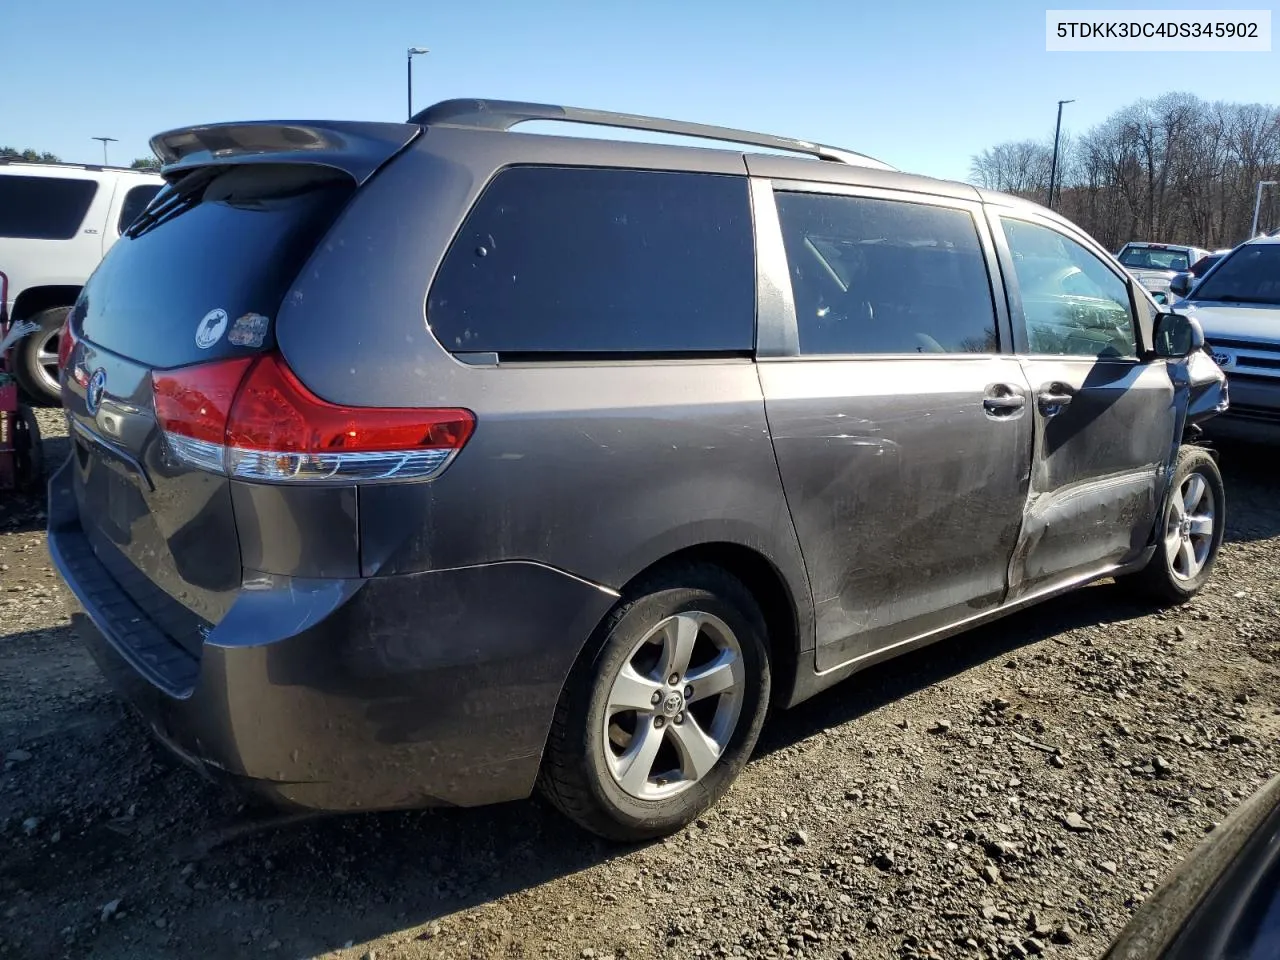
pixel 1153 258
pixel 200 274
pixel 44 208
pixel 1251 274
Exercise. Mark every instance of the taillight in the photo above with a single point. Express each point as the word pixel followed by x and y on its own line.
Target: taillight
pixel 66 343
pixel 193 405
pixel 252 418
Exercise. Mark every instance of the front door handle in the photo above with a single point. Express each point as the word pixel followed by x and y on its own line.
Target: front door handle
pixel 1054 398
pixel 1003 401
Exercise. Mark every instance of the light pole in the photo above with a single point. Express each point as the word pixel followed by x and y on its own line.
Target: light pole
pixel 105 141
pixel 1053 169
pixel 1257 206
pixel 413 52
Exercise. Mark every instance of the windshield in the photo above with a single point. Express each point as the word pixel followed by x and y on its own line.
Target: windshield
pixel 1151 258
pixel 1250 275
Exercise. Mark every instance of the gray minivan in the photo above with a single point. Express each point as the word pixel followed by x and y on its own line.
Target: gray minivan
pixel 426 463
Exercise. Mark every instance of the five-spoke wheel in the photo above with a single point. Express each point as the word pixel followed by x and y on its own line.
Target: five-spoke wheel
pixel 1190 533
pixel 673 705
pixel 1189 526
pixel 664 707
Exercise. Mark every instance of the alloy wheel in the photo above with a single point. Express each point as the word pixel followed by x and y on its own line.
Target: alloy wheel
pixel 673 705
pixel 47 360
pixel 1189 527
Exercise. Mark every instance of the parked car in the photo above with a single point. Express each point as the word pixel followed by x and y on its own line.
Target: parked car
pixel 564 478
pixel 1182 282
pixel 1201 266
pixel 1155 264
pixel 1222 901
pixel 56 222
pixel 1238 306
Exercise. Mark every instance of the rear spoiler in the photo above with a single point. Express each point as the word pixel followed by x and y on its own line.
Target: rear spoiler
pixel 356 148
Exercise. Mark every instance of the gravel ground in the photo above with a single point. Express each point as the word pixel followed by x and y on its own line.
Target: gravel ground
pixel 1017 790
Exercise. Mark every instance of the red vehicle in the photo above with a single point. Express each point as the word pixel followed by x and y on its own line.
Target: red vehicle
pixel 20 459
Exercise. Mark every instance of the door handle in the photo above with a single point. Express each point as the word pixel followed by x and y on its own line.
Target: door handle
pixel 1003 401
pixel 1054 398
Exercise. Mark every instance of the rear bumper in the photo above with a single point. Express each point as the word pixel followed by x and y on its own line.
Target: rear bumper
pixel 362 694
pixel 1254 414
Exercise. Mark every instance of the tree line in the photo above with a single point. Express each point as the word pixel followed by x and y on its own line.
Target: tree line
pixel 1175 169
pixel 44 156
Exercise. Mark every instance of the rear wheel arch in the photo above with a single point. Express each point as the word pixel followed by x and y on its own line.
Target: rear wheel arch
pixel 765 582
pixel 35 300
pixel 590 761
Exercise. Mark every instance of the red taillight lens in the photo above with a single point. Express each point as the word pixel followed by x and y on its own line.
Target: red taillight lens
pixel 195 402
pixel 66 343
pixel 253 418
pixel 274 411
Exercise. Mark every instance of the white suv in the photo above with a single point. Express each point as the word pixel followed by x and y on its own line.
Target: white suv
pixel 56 222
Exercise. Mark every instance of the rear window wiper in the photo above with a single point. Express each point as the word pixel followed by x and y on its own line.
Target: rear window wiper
pixel 186 192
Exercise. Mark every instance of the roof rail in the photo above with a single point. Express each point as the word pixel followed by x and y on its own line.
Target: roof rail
pixel 505 114
pixel 94 167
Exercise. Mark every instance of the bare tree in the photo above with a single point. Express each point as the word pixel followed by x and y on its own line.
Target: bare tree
pixel 1175 169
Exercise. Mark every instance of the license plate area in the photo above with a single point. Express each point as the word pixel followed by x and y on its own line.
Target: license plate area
pixel 112 498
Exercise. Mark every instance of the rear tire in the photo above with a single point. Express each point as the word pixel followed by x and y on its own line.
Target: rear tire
pixel 1189 533
pixel 35 357
pixel 628 756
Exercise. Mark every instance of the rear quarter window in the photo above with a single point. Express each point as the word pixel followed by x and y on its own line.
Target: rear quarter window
pixel 575 261
pixel 44 208
pixel 135 201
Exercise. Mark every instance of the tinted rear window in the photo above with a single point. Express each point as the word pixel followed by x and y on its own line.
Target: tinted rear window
pixel 202 273
pixel 590 261
pixel 44 208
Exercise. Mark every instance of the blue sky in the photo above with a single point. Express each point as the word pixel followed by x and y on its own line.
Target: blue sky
pixel 922 85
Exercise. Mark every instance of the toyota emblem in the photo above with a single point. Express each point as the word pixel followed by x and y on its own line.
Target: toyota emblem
pixel 1222 358
pixel 93 395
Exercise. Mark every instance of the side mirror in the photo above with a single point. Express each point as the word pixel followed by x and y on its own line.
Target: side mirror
pixel 1180 284
pixel 1177 336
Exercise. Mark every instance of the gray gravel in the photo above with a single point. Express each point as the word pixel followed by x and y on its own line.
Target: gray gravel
pixel 1015 791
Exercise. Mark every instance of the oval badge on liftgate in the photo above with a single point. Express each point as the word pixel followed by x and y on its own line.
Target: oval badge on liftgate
pixel 211 328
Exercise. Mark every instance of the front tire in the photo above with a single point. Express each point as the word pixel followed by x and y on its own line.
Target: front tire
pixel 36 357
pixel 662 711
pixel 1189 534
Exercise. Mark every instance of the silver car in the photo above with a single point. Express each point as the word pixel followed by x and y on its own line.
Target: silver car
pixel 1155 264
pixel 1238 306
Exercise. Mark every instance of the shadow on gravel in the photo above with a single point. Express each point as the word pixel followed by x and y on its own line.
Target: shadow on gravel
pixel 24 513
pixel 883 684
pixel 21 513
pixel 317 883
pixel 1249 473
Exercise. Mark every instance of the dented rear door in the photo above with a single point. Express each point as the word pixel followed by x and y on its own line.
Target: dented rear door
pixel 1104 419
